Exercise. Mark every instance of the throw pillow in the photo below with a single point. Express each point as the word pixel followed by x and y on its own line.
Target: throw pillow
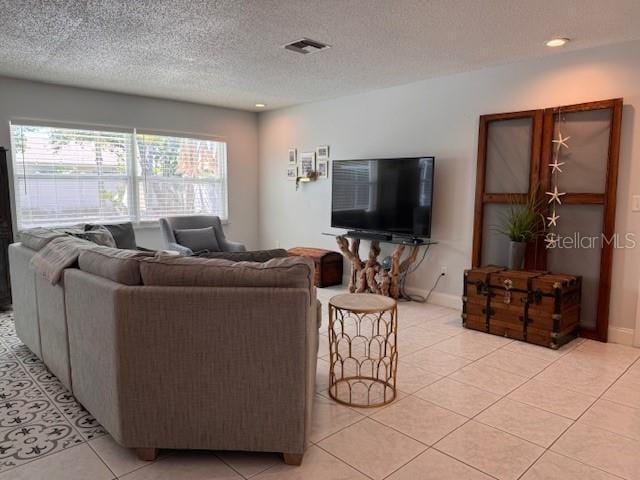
pixel 122 234
pixel 99 235
pixel 198 239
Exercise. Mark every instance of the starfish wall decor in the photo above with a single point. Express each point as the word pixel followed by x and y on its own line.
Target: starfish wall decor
pixel 555 195
pixel 555 166
pixel 551 240
pixel 561 141
pixel 553 219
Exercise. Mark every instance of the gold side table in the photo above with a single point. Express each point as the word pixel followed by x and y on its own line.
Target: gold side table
pixel 363 349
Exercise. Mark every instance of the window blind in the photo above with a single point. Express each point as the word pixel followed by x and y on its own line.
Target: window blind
pixel 69 175
pixel 179 176
pixel 64 175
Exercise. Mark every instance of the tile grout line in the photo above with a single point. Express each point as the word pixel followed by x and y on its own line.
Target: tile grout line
pixel 581 463
pixel 55 405
pixel 471 362
pixel 364 417
pixel 406 395
pixel 215 453
pixel 600 397
pixel 546 449
pixel 507 395
pixel 464 463
pixel 502 396
pixel 343 461
pixel 101 459
pixel 387 426
pixel 407 463
pixel 429 447
pixel 575 422
pixel 469 419
pixel 168 453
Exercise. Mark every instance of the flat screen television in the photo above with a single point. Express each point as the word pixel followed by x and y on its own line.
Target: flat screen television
pixel 393 196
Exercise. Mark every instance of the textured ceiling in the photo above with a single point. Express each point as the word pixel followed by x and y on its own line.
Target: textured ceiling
pixel 229 52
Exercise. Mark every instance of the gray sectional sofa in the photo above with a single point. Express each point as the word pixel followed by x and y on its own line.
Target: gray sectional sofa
pixel 178 352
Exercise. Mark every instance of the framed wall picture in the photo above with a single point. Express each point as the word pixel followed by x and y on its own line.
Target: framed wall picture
pixel 322 152
pixel 322 169
pixel 292 172
pixel 293 156
pixel 307 163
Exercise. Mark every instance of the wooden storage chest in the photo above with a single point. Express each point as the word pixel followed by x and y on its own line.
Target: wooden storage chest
pixel 533 306
pixel 328 264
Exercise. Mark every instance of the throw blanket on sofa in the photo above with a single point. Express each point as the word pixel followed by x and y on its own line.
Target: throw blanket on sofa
pixel 37 238
pixel 58 254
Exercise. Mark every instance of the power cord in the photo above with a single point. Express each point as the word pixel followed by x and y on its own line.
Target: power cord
pixel 435 284
pixel 417 298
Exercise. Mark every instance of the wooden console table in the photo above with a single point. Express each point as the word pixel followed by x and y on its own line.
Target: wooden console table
pixel 369 276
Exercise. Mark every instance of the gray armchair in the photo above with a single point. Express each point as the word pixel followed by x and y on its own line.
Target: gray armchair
pixel 169 225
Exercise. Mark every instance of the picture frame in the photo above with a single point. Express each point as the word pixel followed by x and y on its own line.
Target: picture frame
pixel 293 156
pixel 322 168
pixel 292 173
pixel 322 152
pixel 307 164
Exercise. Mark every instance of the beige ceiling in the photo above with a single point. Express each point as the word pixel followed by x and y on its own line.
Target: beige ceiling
pixel 229 53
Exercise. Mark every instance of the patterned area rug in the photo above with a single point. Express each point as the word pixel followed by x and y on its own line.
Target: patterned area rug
pixel 38 415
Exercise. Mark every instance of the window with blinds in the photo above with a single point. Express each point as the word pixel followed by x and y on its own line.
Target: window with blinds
pixel 64 176
pixel 179 176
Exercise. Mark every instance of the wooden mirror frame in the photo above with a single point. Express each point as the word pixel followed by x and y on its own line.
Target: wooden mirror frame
pixel 482 196
pixel 607 199
pixel 543 129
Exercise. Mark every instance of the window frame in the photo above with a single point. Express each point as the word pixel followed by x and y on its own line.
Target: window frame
pixel 132 177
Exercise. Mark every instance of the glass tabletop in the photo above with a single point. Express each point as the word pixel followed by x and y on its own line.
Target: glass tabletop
pixel 415 241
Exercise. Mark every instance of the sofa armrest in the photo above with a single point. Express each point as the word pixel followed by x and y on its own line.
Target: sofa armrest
pixel 228 246
pixel 181 249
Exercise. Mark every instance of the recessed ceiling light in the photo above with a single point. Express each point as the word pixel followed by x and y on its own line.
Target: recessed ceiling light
pixel 260 105
pixel 557 42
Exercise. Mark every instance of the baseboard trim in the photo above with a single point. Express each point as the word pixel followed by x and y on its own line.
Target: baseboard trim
pixel 438 298
pixel 623 336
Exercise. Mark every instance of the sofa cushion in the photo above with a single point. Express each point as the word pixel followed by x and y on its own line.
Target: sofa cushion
pixel 198 239
pixel 122 233
pixel 287 272
pixel 121 266
pixel 251 256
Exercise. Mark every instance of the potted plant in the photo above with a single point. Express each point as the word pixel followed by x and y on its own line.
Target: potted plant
pixel 522 224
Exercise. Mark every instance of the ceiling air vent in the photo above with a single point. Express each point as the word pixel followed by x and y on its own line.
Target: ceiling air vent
pixel 305 46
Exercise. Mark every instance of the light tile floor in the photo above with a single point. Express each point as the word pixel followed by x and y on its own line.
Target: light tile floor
pixel 470 407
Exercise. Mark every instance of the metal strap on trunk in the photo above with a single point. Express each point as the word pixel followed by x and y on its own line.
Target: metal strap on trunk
pixel 487 302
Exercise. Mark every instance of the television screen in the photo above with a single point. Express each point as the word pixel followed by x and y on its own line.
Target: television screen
pixel 388 195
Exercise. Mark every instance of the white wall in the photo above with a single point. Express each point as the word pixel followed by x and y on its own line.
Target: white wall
pixel 24 99
pixel 440 117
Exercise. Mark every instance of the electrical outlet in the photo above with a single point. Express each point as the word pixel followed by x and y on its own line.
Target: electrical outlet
pixel 635 203
pixel 443 270
pixel 277 243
